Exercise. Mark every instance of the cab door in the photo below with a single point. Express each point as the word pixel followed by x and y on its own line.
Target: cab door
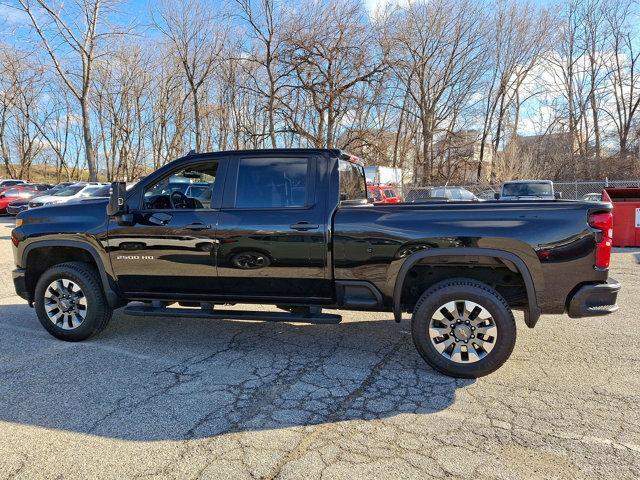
pixel 272 231
pixel 171 246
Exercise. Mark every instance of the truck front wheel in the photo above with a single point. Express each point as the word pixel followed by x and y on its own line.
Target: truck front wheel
pixel 70 301
pixel 463 328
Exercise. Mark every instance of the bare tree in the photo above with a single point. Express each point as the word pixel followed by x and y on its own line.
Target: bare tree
pixel 21 85
pixel 65 31
pixel 267 28
pixel 624 69
pixel 329 60
pixel 595 37
pixel 519 35
pixel 197 39
pixel 438 51
pixel 62 134
pixel 120 96
pixel 167 110
pixel 567 66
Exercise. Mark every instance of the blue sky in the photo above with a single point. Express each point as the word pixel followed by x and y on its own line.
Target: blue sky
pixel 139 11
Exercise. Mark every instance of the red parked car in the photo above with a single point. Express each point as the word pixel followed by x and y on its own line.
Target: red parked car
pixel 18 192
pixel 382 194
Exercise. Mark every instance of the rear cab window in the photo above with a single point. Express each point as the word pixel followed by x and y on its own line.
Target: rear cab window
pixel 527 189
pixel 353 183
pixel 273 183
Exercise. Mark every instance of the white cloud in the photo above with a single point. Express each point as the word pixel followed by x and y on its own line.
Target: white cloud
pixel 375 6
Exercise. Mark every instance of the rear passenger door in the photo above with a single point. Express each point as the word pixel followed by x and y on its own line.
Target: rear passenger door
pixel 272 231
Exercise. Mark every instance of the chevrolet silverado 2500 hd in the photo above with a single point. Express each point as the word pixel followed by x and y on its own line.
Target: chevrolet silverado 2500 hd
pixel 293 228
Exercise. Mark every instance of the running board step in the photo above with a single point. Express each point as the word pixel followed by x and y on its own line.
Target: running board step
pixel 150 311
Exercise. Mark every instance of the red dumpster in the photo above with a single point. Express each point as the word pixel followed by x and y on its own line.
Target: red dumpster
pixel 626 215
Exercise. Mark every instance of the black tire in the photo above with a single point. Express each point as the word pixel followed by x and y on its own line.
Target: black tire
pixel 474 291
pixel 98 311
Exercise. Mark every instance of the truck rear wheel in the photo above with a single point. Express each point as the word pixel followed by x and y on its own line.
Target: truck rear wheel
pixel 70 301
pixel 463 328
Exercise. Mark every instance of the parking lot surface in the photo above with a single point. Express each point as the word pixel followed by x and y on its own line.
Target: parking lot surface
pixel 187 398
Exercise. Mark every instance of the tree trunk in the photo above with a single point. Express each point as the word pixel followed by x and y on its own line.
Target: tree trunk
pixel 88 140
pixel 596 127
pixel 196 119
pixel 427 170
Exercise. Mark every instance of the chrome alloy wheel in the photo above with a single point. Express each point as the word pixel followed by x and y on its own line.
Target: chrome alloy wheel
pixel 463 331
pixel 65 304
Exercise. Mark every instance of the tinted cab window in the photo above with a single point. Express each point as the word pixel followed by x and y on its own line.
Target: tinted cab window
pixel 353 184
pixel 272 183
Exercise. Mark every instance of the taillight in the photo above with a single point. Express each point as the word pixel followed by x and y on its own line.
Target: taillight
pixel 604 222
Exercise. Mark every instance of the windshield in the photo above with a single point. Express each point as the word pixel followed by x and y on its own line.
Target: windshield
pixel 467 195
pixel 197 191
pixel 526 190
pixel 101 191
pixel 14 192
pixel 90 191
pixel 389 193
pixel 69 191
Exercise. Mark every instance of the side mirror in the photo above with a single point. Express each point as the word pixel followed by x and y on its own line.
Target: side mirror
pixel 117 199
pixel 557 195
pixel 496 196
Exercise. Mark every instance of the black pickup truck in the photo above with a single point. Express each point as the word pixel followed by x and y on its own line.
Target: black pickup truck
pixel 294 228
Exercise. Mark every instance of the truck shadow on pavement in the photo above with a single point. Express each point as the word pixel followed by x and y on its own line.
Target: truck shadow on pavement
pixel 173 379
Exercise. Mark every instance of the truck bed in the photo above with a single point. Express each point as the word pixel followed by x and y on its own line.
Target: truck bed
pixel 551 238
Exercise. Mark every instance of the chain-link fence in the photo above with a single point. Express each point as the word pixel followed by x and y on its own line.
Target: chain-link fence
pixel 577 190
pixel 569 190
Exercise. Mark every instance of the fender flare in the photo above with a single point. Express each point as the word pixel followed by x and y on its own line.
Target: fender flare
pixel 531 315
pixel 113 298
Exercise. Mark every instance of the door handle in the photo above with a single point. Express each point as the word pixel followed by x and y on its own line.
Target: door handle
pixel 198 226
pixel 160 219
pixel 303 226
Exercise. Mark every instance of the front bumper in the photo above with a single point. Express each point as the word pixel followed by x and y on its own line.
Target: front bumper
pixel 20 283
pixel 595 299
pixel 13 210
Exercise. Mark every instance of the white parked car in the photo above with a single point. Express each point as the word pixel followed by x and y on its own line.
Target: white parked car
pixel 593 197
pixel 10 182
pixel 77 190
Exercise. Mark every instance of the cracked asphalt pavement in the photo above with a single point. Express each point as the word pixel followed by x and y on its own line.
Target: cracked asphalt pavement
pixel 187 398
